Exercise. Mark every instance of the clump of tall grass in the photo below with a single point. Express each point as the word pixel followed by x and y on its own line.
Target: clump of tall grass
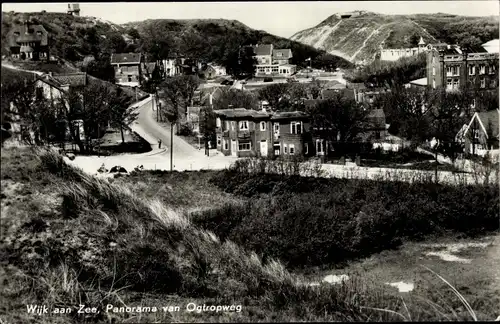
pixel 146 246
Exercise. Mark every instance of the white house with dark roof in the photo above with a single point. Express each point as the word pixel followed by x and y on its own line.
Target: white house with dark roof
pixel 127 68
pixel 28 42
pixel 273 62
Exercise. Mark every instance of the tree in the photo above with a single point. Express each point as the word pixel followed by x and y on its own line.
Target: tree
pixel 88 107
pixel 316 88
pixel 121 116
pixel 274 93
pixel 449 111
pixel 237 99
pixel 338 120
pixel 33 108
pixel 117 44
pixel 406 111
pixel 134 33
pixel 101 69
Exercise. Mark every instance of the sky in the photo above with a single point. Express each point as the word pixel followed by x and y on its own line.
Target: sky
pixel 278 18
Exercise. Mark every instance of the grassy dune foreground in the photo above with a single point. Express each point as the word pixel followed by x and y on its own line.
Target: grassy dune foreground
pixel 129 252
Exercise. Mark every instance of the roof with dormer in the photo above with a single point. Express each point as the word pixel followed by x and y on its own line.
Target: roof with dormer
pixel 27 33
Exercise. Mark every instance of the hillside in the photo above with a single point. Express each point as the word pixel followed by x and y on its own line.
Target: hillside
pixel 358 39
pixel 73 38
pixel 215 39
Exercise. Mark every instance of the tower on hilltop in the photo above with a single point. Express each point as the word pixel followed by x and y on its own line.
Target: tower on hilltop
pixel 74 9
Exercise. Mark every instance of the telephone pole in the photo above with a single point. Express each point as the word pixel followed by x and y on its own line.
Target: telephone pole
pixel 171 146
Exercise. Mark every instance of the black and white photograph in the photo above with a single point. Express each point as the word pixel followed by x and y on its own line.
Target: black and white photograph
pixel 244 161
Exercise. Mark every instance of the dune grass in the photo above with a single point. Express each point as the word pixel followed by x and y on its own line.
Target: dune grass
pixel 84 240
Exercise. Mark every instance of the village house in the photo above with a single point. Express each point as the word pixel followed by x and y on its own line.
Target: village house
pixel 481 134
pixel 364 94
pixel 273 62
pixel 455 68
pixel 244 133
pixel 212 71
pixel 128 69
pixel 52 88
pixel 28 42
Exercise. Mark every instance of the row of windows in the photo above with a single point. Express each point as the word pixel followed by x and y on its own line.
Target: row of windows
pixel 296 127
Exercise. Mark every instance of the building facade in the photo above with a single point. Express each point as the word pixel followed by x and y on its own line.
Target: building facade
pixel 454 69
pixel 128 69
pixel 249 133
pixel 28 42
pixel 394 54
pixel 480 136
pixel 273 62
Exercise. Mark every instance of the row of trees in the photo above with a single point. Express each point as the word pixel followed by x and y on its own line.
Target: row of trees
pixel 92 108
pixel 418 115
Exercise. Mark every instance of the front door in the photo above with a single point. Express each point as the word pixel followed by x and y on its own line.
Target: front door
pixel 263 148
pixel 233 148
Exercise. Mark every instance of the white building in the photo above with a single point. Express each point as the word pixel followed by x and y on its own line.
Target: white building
pixel 394 54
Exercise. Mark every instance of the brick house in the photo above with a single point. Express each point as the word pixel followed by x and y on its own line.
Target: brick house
pixel 246 133
pixel 128 69
pixel 455 68
pixel 28 42
pixel 481 134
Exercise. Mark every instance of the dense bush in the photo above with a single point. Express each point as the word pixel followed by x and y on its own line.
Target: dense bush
pixel 315 220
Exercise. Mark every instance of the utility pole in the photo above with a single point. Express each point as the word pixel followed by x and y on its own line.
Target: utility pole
pixel 171 146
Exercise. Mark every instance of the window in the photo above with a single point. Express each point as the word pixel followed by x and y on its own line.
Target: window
pixel 219 140
pixel 472 70
pixel 296 128
pixel 244 125
pixel 306 148
pixel 233 124
pixel 218 122
pixel 482 69
pixel 434 84
pixel 449 84
pixel 319 146
pixel 129 78
pixel 433 70
pixel 226 125
pixel 449 71
pixel 39 93
pixel 276 128
pixel 493 83
pixel 262 126
pixel 285 149
pixel 433 59
pixel 483 83
pixel 244 145
pixel 455 70
pixel 492 69
pixel 292 149
pixel 456 84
